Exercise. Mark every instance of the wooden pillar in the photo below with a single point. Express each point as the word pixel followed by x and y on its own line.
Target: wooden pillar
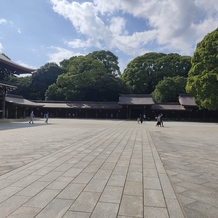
pixel 3 101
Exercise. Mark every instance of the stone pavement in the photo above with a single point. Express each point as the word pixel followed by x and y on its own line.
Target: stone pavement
pixel 73 168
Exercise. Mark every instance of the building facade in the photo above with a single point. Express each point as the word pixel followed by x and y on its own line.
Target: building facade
pixel 129 106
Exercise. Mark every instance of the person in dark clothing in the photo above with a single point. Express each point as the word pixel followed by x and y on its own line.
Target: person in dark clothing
pixel 141 118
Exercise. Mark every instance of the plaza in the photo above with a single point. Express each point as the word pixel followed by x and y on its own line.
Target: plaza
pixel 89 168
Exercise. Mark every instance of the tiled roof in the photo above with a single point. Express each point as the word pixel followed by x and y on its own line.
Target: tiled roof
pixel 167 106
pixel 96 105
pixel 186 100
pixel 83 105
pixel 136 99
pixel 5 63
pixel 7 86
pixel 19 100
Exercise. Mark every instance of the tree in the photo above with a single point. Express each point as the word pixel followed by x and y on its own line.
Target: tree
pixel 202 80
pixel 109 60
pixel 144 72
pixel 43 77
pixel 167 90
pixel 23 86
pixel 87 79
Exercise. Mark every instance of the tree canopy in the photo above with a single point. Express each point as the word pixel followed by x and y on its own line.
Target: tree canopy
pixel 109 60
pixel 202 80
pixel 42 78
pixel 86 79
pixel 167 90
pixel 144 72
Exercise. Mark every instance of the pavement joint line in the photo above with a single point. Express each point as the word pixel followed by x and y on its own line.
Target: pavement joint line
pixel 109 177
pixel 10 173
pixel 127 155
pixel 181 212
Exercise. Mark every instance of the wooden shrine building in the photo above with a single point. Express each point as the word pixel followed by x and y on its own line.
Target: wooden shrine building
pixel 8 67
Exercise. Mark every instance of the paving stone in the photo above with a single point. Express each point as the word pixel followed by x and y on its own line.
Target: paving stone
pixel 73 172
pixel 64 167
pixel 86 202
pixel 43 171
pixel 185 200
pixel 42 199
pixel 134 176
pixel 105 210
pixel 6 182
pixel 25 212
pixel 151 173
pixel 108 165
pixel 8 192
pixel 174 208
pixel 83 178
pixel 152 183
pixel 112 194
pixel 131 206
pixel 135 168
pixel 155 212
pixel 103 174
pixel 167 187
pixel 96 185
pixel 33 189
pixel 192 213
pixel 56 209
pixel 154 198
pixel 26 181
pixel 120 170
pixel 71 214
pixel 203 208
pixel 50 176
pixel 72 191
pixel 10 205
pixel 133 188
pixel 117 180
pixel 201 197
pixel 92 168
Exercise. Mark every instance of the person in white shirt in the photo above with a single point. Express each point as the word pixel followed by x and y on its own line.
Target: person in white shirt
pixel 31 117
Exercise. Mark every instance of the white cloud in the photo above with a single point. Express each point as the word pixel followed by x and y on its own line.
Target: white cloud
pixel 78 43
pixel 60 54
pixel 1 47
pixel 117 26
pixel 3 21
pixel 173 26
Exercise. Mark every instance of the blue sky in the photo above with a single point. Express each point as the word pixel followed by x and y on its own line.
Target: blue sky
pixel 35 32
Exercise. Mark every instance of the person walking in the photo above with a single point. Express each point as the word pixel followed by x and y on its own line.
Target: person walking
pixel 141 118
pixel 31 117
pixel 161 120
pixel 46 117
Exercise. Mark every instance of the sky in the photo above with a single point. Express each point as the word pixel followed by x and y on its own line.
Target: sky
pixel 35 32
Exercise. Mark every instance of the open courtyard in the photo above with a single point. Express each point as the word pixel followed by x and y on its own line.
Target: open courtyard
pixel 83 168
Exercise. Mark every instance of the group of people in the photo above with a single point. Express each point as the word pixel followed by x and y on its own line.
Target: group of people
pixel 32 116
pixel 141 118
pixel 160 120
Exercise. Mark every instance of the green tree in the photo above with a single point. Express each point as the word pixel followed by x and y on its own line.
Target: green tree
pixel 86 79
pixel 167 90
pixel 23 86
pixel 109 60
pixel 42 78
pixel 202 80
pixel 144 72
